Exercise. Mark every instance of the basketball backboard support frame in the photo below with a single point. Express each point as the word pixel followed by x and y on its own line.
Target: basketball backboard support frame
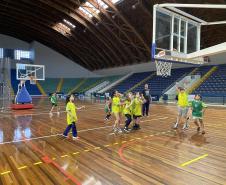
pixel 178 55
pixel 30 72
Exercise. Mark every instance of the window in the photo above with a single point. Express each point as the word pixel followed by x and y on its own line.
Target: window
pixel 90 8
pixel 115 1
pixel 62 28
pixel 85 12
pixel 102 4
pixel 69 23
pixel 20 54
pixel 1 52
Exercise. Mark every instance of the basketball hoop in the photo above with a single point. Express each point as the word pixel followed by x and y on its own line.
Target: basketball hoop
pixel 32 80
pixel 163 68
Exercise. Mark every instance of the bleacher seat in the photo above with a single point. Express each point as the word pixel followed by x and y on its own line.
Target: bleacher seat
pixel 215 85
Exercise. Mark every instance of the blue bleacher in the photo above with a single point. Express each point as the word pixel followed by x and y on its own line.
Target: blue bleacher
pixel 130 82
pixel 32 89
pixel 215 85
pixel 158 84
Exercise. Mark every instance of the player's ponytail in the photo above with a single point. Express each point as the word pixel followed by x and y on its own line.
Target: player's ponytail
pixel 67 99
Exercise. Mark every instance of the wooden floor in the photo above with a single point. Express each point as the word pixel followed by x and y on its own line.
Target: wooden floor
pixel 32 151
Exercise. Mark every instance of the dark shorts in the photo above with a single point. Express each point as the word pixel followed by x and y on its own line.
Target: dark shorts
pixel 135 117
pixel 54 104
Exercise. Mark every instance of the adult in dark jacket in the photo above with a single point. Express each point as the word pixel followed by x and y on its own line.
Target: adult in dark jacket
pixel 147 96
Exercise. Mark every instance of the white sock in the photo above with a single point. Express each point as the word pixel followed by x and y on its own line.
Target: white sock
pixel 177 121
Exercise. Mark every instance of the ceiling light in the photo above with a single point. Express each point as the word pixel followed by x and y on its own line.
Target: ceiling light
pixel 69 23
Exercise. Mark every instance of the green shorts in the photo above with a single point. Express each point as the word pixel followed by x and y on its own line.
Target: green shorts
pixel 106 110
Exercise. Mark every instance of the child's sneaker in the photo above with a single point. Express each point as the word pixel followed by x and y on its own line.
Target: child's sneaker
pixel 119 130
pixel 75 138
pixel 136 127
pixel 175 126
pixel 185 127
pixel 115 130
pixel 126 129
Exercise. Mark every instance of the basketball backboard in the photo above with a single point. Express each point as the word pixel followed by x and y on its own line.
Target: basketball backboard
pixel 177 36
pixel 30 72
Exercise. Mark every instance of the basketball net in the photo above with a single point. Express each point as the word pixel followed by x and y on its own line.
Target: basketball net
pixel 163 68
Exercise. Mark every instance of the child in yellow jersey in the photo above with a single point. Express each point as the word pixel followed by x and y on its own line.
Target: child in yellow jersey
pixel 71 117
pixel 137 109
pixel 127 111
pixel 182 105
pixel 117 111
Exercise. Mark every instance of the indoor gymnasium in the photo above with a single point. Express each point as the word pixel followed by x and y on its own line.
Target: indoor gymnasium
pixel 112 92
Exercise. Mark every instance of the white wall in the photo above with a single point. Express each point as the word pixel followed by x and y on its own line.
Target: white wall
pixel 218 59
pixel 13 43
pixel 58 65
pixel 149 66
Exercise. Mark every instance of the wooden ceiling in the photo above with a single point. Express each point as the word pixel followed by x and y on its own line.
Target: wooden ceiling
pixel 117 36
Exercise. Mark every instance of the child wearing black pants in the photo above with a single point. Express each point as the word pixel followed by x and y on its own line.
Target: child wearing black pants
pixel 128 111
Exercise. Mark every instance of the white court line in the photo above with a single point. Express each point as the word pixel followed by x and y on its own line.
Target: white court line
pixel 154 119
pixel 54 135
pixel 43 113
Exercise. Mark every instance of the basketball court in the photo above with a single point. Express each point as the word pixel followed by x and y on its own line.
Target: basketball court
pixel 34 150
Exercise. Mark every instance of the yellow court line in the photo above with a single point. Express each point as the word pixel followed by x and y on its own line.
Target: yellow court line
pixel 64 156
pixel 76 153
pixel 6 172
pixel 38 163
pixel 22 167
pixel 193 160
pixel 96 148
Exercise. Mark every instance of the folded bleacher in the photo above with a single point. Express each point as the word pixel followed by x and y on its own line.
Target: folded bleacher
pixel 215 85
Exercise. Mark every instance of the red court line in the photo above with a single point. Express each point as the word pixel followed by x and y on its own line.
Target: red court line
pixel 46 159
pixel 120 152
pixel 124 146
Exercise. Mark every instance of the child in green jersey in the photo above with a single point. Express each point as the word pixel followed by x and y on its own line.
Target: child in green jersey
pixel 197 107
pixel 107 108
pixel 54 102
